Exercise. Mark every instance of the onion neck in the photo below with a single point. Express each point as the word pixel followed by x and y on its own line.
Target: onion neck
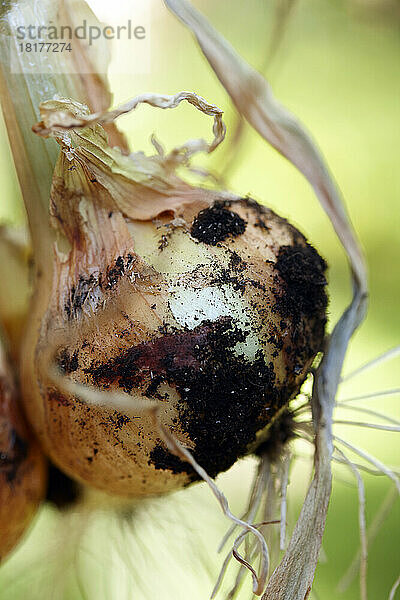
pixel 20 95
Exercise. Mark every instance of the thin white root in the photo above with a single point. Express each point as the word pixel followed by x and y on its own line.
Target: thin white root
pixel 221 574
pixel 300 425
pixel 361 467
pixel 259 581
pixel 265 483
pixel 371 459
pixel 362 525
pixel 372 395
pixel 251 554
pixel 372 532
pixel 388 355
pixel 368 411
pixel 286 462
pixel 94 396
pixel 259 485
pixel 368 425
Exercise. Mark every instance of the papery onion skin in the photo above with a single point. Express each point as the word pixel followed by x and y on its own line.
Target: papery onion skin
pixel 218 316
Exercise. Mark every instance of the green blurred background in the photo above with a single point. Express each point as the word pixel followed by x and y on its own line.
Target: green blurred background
pixel 337 68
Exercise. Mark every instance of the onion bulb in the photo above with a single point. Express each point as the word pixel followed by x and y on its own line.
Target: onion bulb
pixel 203 301
pixel 23 468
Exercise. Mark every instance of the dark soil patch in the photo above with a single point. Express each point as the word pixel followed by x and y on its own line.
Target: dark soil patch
pixel 216 224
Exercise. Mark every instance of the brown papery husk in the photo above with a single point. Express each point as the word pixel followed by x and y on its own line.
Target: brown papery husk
pixel 141 187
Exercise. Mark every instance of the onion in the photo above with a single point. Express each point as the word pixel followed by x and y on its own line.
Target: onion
pixel 22 465
pixel 205 302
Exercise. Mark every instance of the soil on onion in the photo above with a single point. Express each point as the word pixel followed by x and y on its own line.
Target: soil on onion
pixel 224 397
pixel 216 224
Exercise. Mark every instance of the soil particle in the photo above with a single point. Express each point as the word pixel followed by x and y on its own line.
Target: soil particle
pixel 302 298
pixel 236 263
pixel 261 224
pixel 216 224
pixel 163 243
pixel 115 272
pixel 303 271
pixel 78 295
pixel 83 289
pixel 119 420
pixel 162 458
pixel 66 362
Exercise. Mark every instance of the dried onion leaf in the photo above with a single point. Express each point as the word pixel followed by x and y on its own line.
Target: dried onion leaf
pixel 141 187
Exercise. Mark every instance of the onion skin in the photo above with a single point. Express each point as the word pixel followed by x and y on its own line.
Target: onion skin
pixel 136 307
pixel 23 467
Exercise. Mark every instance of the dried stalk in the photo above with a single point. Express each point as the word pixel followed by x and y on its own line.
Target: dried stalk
pixel 283 12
